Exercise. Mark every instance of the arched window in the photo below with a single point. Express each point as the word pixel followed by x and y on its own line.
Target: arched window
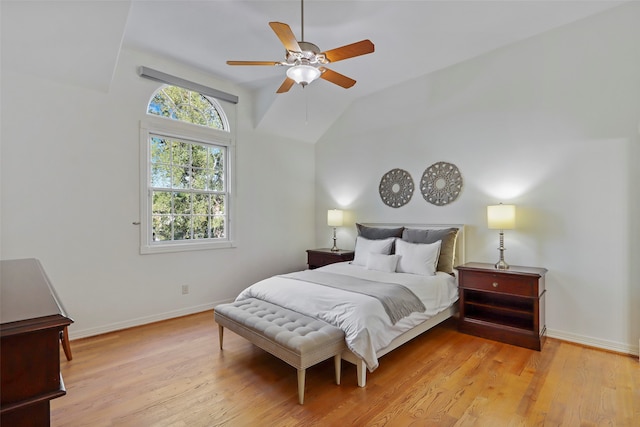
pixel 186 174
pixel 187 106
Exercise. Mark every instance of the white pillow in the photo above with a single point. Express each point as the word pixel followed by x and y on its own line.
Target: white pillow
pixel 418 258
pixel 380 262
pixel 365 246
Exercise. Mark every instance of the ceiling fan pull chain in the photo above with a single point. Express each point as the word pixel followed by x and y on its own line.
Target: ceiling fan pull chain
pixel 306 106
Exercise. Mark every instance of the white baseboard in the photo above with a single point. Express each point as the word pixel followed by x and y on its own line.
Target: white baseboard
pixel 594 342
pixel 112 327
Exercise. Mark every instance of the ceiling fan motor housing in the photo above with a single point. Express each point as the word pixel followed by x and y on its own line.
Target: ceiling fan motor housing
pixel 309 54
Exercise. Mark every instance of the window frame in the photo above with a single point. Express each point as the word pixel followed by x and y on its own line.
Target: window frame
pixel 165 127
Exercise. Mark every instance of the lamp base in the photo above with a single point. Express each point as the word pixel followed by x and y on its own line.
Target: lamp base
pixel 334 248
pixel 501 265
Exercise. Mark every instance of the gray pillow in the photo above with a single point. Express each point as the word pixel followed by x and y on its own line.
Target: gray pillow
pixel 377 233
pixel 447 247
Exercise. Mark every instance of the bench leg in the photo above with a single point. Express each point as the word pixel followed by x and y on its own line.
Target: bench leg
pixel 361 369
pixel 220 334
pixel 301 374
pixel 337 363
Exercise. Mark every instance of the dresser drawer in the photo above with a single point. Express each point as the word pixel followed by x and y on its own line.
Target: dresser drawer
pixel 503 283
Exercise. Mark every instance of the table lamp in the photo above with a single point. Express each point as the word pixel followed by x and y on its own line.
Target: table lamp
pixel 334 219
pixel 501 217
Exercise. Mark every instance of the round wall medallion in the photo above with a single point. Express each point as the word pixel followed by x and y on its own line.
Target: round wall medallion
pixel 396 188
pixel 441 183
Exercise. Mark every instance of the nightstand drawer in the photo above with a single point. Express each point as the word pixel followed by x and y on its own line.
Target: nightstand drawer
pixel 502 283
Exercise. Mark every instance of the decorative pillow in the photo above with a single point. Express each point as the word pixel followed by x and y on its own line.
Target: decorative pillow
pixel 448 237
pixel 377 233
pixel 380 262
pixel 366 246
pixel 417 258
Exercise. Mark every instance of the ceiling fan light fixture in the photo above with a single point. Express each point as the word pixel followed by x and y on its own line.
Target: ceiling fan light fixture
pixel 303 74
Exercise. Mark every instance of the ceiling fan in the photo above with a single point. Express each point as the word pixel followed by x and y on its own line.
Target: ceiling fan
pixel 305 60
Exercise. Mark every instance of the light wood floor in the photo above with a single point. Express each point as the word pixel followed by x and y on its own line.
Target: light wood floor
pixel 172 373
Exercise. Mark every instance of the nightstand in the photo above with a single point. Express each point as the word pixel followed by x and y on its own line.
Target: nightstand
pixel 321 257
pixel 503 305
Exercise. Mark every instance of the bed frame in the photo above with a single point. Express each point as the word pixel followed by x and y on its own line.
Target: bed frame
pixel 427 324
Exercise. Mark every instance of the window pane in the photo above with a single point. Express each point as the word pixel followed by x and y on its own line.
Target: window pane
pixel 216 158
pixel 199 154
pixel 180 178
pixel 199 179
pixel 216 181
pixel 216 168
pixel 160 150
pixel 201 204
pixel 160 105
pixel 161 202
pixel 161 227
pixel 215 121
pixel 217 227
pixel 181 153
pixel 201 227
pixel 161 176
pixel 187 113
pixel 181 227
pixel 182 203
pixel 217 205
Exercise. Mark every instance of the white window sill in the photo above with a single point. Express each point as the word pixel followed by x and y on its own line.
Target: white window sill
pixel 184 247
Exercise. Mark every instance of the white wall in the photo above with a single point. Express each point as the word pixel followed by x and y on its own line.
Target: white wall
pixel 70 184
pixel 549 124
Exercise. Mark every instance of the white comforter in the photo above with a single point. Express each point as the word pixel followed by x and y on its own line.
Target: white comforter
pixel 366 325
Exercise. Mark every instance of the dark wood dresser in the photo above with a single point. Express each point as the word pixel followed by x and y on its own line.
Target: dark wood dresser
pixel 503 305
pixel 32 320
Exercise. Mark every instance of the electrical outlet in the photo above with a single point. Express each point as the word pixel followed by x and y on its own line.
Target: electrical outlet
pixel 185 289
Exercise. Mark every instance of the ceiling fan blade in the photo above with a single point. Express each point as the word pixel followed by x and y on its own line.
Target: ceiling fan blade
pixel 253 63
pixel 284 33
pixel 362 47
pixel 286 85
pixel 336 78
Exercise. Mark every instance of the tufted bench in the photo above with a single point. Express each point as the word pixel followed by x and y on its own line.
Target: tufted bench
pixel 299 340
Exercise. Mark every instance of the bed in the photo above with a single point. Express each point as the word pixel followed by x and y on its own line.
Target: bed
pixel 400 284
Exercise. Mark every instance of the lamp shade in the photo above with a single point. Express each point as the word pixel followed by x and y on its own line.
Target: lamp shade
pixel 334 218
pixel 303 74
pixel 501 217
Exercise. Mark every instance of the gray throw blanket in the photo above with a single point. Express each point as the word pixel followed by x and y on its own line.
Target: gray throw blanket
pixel 398 301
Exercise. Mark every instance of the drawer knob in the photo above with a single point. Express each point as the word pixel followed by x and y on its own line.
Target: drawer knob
pixel 495 284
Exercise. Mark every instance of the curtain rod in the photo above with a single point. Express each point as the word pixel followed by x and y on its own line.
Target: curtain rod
pixel 159 76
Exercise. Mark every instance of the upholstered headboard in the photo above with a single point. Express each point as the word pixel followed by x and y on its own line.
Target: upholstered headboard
pixel 460 248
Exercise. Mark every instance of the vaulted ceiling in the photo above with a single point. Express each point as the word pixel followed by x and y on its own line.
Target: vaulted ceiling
pixel 78 42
